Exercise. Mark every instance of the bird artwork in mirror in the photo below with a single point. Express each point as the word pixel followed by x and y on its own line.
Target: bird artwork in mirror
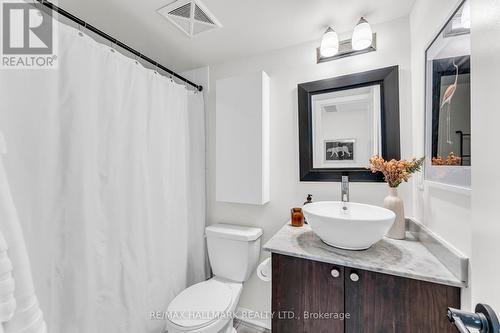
pixel 448 108
pixel 447 96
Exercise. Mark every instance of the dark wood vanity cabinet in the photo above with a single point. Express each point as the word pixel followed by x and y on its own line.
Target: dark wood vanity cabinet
pixel 300 286
pixel 311 296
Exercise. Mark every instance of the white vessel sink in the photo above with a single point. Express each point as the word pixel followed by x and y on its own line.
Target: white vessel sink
pixel 357 228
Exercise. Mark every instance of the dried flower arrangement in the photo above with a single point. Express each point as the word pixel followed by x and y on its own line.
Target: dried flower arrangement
pixel 452 159
pixel 395 172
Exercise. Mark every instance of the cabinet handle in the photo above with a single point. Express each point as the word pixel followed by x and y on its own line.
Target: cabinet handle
pixel 354 277
pixel 335 273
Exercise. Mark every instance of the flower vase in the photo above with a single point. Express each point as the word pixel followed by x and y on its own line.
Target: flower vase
pixel 396 204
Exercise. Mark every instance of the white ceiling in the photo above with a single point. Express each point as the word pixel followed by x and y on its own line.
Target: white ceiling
pixel 250 26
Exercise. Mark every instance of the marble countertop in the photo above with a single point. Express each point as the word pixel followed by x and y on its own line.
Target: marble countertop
pixel 407 258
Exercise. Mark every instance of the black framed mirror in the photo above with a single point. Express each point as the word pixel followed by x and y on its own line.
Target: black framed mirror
pixel 345 120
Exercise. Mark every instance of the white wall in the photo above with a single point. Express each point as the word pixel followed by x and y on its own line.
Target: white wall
pixel 443 210
pixel 287 68
pixel 486 158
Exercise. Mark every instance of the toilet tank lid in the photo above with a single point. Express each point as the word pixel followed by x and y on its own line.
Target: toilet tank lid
pixel 235 232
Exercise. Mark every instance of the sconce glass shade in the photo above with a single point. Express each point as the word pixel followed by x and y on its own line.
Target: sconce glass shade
pixel 362 35
pixel 329 43
pixel 465 17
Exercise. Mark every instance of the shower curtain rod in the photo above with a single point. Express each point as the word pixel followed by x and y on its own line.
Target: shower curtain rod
pixel 104 35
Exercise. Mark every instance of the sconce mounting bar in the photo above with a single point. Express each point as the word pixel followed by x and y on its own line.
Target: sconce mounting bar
pixel 345 50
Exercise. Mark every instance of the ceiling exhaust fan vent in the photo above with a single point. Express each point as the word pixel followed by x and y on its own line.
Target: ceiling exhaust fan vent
pixel 190 16
pixel 330 108
pixel 183 11
pixel 200 15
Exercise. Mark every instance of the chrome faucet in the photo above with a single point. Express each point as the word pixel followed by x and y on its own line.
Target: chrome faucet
pixel 344 192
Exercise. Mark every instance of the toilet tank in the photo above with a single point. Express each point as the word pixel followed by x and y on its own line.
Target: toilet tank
pixel 233 250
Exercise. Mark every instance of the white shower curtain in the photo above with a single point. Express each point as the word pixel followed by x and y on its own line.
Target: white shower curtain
pixel 106 166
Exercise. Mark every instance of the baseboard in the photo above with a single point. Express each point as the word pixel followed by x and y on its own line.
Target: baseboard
pixel 252 321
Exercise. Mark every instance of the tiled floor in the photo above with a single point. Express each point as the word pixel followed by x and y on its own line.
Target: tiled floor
pixel 242 327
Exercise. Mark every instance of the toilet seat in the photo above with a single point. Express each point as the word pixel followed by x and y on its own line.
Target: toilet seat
pixel 200 305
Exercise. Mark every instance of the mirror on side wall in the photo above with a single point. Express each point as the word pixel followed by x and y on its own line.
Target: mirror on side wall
pixel 448 107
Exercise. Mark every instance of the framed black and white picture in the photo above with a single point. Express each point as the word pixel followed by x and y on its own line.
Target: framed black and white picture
pixel 339 150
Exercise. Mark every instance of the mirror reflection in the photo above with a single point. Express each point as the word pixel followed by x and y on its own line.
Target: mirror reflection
pixel 448 94
pixel 346 127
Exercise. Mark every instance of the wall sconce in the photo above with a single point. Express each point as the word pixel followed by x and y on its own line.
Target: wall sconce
pixel 329 43
pixel 363 40
pixel 362 35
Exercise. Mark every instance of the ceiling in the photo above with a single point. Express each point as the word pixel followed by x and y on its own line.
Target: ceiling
pixel 249 27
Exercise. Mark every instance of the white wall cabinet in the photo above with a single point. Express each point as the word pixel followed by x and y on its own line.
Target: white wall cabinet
pixel 242 139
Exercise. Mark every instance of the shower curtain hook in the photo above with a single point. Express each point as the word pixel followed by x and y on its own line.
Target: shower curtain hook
pixel 80 33
pixel 156 68
pixel 113 42
pixel 137 57
pixel 41 8
pixel 38 5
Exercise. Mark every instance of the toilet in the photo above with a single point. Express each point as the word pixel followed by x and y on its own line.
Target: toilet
pixel 208 307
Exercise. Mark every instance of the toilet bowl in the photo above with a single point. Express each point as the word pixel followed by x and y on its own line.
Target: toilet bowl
pixel 206 307
pixel 209 306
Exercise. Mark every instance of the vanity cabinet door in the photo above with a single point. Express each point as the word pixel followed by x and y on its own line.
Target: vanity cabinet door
pixel 381 303
pixel 306 296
